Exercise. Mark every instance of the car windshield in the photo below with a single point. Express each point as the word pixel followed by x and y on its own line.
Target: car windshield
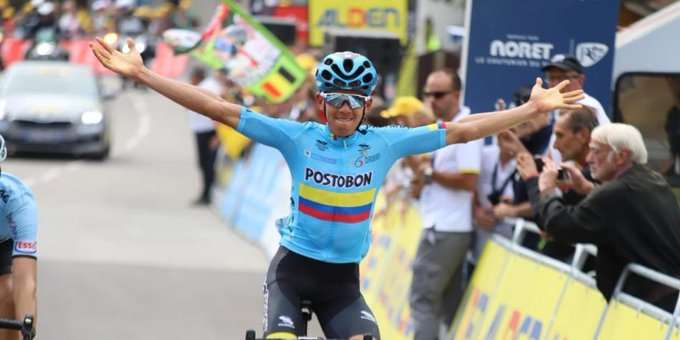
pixel 30 79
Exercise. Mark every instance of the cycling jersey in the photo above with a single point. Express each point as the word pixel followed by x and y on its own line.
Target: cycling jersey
pixel 335 179
pixel 19 216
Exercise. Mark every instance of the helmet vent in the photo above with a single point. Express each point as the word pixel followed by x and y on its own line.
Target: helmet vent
pixel 348 64
pixel 367 78
pixel 328 61
pixel 367 64
pixel 339 83
pixel 325 74
pixel 355 83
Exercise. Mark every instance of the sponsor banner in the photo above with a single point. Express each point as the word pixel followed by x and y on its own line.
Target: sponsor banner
pixel 251 55
pixel 255 198
pixel 386 270
pixel 581 305
pixel 475 307
pixel 525 36
pixel 626 323
pixel 516 310
pixel 365 15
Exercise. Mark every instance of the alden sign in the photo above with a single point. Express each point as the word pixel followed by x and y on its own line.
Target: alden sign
pixel 367 15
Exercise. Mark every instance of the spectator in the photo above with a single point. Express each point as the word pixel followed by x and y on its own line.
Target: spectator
pixel 411 112
pixel 572 137
pixel 632 217
pixel 563 67
pixel 206 138
pixel 532 137
pixel 496 178
pixel 448 181
pixel 74 22
pixel 408 111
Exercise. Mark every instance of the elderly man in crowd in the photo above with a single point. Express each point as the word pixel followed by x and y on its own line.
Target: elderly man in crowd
pixel 632 217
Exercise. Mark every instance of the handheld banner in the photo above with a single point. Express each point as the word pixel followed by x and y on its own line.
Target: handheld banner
pixel 510 41
pixel 251 55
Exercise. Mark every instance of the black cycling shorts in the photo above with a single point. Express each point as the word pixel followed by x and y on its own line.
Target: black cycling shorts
pixel 6 249
pixel 332 289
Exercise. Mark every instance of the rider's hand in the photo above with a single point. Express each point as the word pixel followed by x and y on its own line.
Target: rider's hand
pixel 546 100
pixel 127 64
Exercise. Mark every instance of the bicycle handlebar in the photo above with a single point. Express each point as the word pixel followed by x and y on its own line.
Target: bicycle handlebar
pixel 25 326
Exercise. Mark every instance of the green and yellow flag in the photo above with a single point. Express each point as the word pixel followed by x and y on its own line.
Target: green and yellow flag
pixel 251 55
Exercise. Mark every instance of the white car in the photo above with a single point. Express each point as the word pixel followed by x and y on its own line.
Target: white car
pixel 53 107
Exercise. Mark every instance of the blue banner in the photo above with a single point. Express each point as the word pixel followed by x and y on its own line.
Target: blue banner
pixel 510 41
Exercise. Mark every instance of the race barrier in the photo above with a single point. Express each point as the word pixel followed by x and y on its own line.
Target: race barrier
pixel 514 293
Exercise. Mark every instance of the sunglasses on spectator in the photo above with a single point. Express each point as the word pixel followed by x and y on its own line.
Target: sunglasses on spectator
pixel 338 99
pixel 436 94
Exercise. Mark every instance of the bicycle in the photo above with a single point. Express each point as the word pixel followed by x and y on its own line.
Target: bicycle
pixel 306 310
pixel 24 326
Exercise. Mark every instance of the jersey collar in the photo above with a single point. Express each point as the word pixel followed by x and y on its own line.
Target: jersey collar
pixel 340 141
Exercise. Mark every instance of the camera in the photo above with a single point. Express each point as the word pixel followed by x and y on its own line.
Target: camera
pixel 561 173
pixel 494 197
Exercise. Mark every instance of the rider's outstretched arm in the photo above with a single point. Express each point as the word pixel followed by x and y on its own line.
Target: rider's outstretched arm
pixel 542 100
pixel 192 97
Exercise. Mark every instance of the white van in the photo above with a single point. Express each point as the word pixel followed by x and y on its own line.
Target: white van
pixel 646 86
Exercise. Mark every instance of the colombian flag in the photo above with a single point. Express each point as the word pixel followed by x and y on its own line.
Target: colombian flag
pixel 347 207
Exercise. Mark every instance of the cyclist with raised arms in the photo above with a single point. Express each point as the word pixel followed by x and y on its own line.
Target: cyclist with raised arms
pixel 337 170
pixel 18 248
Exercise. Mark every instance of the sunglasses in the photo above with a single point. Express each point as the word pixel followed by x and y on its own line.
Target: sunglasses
pixel 338 99
pixel 436 94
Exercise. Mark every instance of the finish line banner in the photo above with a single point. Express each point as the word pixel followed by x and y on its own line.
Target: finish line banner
pixel 508 42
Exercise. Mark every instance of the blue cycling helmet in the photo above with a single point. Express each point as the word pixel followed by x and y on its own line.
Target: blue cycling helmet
pixel 346 71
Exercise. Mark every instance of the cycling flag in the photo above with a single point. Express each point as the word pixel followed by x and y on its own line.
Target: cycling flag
pixel 251 55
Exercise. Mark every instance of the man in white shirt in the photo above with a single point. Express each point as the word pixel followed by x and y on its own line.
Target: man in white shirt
pixel 448 181
pixel 206 139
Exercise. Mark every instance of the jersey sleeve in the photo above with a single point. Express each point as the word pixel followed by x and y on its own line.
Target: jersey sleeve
pixel 23 222
pixel 275 132
pixel 405 141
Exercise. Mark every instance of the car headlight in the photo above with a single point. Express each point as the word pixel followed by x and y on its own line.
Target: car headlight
pixel 91 117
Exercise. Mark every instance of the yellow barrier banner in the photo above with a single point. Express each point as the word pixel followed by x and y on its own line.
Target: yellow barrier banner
pixel 367 15
pixel 676 333
pixel 480 291
pixel 386 271
pixel 579 312
pixel 625 323
pixel 527 298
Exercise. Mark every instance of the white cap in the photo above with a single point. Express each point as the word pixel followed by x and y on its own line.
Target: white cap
pixel 125 3
pixel 46 8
